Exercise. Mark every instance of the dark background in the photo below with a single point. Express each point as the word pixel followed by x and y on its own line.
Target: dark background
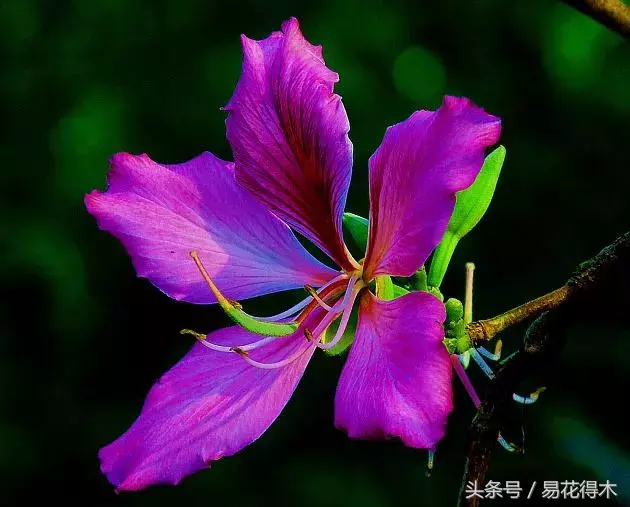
pixel 82 339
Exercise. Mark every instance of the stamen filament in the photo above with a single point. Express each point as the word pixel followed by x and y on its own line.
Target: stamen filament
pixel 497 351
pixel 461 373
pixel 348 302
pixel 335 311
pixel 431 459
pixel 302 304
pixel 528 400
pixel 330 292
pixel 232 348
pixel 468 299
pixel 316 297
pixel 278 364
pixel 508 446
pixel 481 363
pixel 314 337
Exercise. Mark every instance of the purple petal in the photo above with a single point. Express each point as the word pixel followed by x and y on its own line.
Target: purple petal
pixel 414 175
pixel 162 212
pixel 289 135
pixel 209 405
pixel 397 379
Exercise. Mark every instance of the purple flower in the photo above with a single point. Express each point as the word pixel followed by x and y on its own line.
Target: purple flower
pixel 292 166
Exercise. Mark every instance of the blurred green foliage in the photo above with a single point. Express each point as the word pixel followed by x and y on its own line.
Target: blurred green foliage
pixel 82 339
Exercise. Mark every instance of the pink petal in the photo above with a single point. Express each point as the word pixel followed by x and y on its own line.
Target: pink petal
pixel 289 135
pixel 162 212
pixel 414 175
pixel 209 405
pixel 397 379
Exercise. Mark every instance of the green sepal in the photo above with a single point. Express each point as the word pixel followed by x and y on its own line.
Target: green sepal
pixel 470 206
pixel 358 228
pixel 398 291
pixel 384 288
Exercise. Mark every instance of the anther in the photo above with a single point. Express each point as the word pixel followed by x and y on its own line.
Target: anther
pixel 199 336
pixel 508 446
pixel 308 334
pixel 528 400
pixel 430 461
pixel 234 303
pixel 497 351
pixel 313 293
pixel 239 351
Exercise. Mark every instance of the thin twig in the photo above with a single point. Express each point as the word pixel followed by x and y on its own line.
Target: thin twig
pixel 613 14
pixel 591 290
pixel 484 330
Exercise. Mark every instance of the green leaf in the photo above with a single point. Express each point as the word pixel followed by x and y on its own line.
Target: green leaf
pixel 470 206
pixel 442 258
pixel 398 291
pixel 358 228
pixel 473 202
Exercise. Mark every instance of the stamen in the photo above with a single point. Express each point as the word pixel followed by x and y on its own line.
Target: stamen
pixel 316 297
pixel 301 305
pixel 336 310
pixel 497 351
pixel 278 364
pixel 507 445
pixel 308 334
pixel 481 363
pixel 430 461
pixel 470 269
pixel 235 312
pixel 199 336
pixel 464 358
pixel 528 400
pixel 315 336
pixel 461 373
pixel 234 348
pixel 331 292
pixel 348 302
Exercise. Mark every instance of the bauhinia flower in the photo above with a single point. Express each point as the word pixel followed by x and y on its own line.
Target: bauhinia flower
pixel 292 166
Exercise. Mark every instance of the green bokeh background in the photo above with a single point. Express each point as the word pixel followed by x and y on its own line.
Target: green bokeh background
pixel 82 339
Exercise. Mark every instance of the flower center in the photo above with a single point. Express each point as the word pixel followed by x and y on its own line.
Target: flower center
pixel 336 298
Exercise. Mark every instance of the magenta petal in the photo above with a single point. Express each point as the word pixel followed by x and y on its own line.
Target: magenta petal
pixel 162 212
pixel 414 175
pixel 289 136
pixel 209 405
pixel 397 379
